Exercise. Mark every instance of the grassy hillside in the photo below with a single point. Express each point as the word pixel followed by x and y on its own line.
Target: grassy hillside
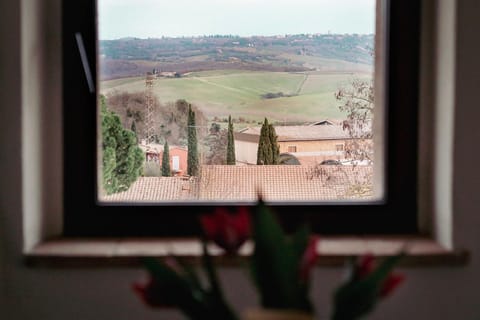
pixel 239 93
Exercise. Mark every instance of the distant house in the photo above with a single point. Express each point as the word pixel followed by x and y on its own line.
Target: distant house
pixel 169 74
pixel 178 156
pixel 323 123
pixel 310 144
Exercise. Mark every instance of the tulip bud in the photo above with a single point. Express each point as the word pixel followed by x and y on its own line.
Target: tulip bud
pixel 228 230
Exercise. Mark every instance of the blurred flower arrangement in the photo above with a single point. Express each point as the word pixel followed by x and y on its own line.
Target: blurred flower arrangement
pixel 280 268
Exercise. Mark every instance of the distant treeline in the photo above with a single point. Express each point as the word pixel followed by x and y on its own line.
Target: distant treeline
pixel 120 58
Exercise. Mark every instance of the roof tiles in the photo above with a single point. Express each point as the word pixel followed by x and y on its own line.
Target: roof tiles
pixel 242 183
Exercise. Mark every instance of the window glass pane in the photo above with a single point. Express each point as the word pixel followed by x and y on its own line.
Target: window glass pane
pixel 208 101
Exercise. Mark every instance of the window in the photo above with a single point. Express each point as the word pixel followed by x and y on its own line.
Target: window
pixel 176 163
pixel 292 148
pixel 339 147
pixel 395 213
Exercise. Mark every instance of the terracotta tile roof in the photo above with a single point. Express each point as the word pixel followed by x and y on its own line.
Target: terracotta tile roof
pixel 281 183
pixel 241 183
pixel 154 189
pixel 300 133
pixel 248 137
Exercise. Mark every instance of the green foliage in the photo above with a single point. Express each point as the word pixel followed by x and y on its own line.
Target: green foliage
pixel 288 159
pixel 280 266
pixel 275 263
pixel 166 172
pixel 122 158
pixel 274 144
pixel 268 149
pixel 230 143
pixel 192 159
pixel 264 147
pixel 183 289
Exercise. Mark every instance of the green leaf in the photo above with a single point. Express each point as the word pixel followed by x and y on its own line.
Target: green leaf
pixel 210 269
pixel 179 292
pixel 300 241
pixel 190 275
pixel 275 262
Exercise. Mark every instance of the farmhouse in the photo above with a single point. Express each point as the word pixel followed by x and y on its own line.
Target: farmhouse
pixel 310 144
pixel 178 156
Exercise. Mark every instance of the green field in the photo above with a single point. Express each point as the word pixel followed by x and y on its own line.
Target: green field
pixel 238 93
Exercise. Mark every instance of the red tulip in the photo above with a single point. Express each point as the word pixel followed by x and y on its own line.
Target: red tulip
pixel 309 258
pixel 392 282
pixel 227 230
pixel 366 266
pixel 151 293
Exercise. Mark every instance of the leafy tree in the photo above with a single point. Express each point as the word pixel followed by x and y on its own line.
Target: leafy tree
pixel 192 159
pixel 268 150
pixel 230 143
pixel 122 158
pixel 166 172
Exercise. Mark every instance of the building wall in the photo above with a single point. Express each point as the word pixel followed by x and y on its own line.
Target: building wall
pixel 246 152
pixel 311 146
pixel 182 154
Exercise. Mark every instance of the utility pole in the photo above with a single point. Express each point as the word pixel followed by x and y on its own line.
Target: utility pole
pixel 149 104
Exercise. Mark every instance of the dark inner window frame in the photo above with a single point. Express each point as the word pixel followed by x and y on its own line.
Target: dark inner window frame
pixel 397 214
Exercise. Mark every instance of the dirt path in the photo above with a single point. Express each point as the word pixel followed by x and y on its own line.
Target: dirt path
pixel 218 85
pixel 300 86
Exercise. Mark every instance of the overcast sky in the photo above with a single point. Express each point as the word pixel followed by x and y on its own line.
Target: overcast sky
pixel 156 18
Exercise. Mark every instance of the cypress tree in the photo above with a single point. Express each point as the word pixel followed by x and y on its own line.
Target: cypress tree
pixel 264 148
pixel 166 172
pixel 268 149
pixel 230 143
pixel 134 127
pixel 274 145
pixel 122 159
pixel 192 159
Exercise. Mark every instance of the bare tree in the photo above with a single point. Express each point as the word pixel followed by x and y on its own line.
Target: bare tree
pixel 357 101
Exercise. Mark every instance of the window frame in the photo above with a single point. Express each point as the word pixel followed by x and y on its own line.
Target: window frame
pixel 396 214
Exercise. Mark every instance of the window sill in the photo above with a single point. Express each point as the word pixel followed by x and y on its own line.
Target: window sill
pixel 64 253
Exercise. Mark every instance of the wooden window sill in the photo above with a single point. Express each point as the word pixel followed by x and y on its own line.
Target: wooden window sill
pixel 333 251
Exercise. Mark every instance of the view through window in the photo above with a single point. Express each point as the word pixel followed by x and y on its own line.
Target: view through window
pixel 213 100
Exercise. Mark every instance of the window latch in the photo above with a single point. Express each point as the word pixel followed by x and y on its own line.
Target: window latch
pixel 86 66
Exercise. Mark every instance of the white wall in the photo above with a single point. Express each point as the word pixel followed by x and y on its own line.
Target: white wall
pixel 429 293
